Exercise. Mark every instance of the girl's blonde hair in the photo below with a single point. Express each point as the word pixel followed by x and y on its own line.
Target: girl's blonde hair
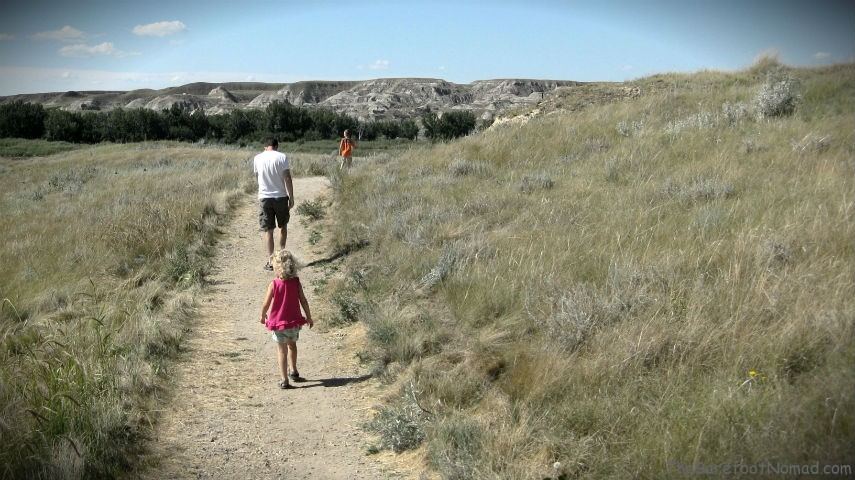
pixel 285 264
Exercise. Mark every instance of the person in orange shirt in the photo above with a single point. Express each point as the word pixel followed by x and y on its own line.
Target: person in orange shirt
pixel 345 149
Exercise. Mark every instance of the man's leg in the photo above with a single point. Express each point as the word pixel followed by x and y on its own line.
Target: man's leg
pixel 283 215
pixel 267 222
pixel 267 237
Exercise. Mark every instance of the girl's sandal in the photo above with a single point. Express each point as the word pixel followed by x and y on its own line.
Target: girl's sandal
pixel 283 384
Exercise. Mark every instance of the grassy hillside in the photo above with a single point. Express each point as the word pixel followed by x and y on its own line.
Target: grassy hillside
pixel 629 287
pixel 105 249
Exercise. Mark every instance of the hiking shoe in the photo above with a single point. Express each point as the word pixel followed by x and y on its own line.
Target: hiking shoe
pixel 283 384
pixel 268 267
pixel 295 375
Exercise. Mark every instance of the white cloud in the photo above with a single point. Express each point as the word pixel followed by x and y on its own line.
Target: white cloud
pixel 627 68
pixel 442 67
pixel 160 29
pixel 6 36
pixel 83 50
pixel 822 55
pixel 64 34
pixel 379 65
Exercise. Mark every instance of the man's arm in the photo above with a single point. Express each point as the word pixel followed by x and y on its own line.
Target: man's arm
pixel 290 186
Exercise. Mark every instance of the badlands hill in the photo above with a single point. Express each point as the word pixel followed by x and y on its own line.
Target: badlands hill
pixel 383 98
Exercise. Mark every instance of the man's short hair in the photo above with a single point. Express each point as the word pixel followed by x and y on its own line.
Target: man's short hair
pixel 272 142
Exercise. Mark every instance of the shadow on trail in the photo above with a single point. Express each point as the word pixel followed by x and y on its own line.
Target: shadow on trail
pixel 345 250
pixel 331 382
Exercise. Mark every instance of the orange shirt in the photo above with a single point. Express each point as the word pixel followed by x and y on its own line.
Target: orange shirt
pixel 345 149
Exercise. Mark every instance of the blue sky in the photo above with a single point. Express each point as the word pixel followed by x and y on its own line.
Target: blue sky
pixel 101 45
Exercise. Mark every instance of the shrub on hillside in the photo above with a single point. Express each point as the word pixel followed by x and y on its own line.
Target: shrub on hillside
pixel 778 96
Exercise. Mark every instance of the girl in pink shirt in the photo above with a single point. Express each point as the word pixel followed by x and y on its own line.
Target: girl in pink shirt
pixel 281 313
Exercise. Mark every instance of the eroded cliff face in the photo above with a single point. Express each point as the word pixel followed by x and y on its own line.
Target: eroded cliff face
pixel 383 98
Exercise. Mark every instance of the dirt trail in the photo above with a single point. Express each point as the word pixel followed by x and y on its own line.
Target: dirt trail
pixel 228 419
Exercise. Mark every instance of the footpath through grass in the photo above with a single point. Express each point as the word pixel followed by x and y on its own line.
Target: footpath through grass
pixel 632 289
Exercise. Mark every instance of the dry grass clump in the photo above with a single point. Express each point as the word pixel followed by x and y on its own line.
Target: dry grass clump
pixel 698 189
pixel 537 181
pixel 106 248
pixel 680 295
pixel 462 166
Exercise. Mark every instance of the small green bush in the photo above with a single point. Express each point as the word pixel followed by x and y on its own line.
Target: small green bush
pixel 312 209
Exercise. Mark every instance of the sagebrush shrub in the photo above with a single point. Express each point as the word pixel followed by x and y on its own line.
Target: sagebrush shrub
pixel 734 113
pixel 400 425
pixel 627 128
pixel 778 96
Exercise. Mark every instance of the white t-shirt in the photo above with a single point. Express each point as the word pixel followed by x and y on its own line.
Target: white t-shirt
pixel 269 166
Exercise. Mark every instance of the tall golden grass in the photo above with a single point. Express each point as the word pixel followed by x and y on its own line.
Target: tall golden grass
pixel 629 289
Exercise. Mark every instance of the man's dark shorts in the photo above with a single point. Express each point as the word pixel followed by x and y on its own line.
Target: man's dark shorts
pixel 273 211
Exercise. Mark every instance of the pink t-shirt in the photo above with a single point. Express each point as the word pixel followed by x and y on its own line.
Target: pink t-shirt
pixel 285 308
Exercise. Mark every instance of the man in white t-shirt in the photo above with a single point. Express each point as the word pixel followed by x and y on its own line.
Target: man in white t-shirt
pixel 275 194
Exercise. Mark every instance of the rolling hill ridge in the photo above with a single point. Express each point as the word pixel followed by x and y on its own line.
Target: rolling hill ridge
pixel 383 98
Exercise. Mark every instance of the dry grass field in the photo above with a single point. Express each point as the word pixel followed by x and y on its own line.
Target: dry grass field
pixel 104 251
pixel 627 289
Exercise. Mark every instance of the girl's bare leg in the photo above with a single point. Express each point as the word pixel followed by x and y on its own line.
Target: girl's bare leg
pixel 281 354
pixel 292 347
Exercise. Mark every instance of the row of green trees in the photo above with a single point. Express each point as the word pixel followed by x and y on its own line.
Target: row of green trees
pixel 450 125
pixel 288 122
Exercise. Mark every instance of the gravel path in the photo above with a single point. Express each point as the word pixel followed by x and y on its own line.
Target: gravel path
pixel 227 418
